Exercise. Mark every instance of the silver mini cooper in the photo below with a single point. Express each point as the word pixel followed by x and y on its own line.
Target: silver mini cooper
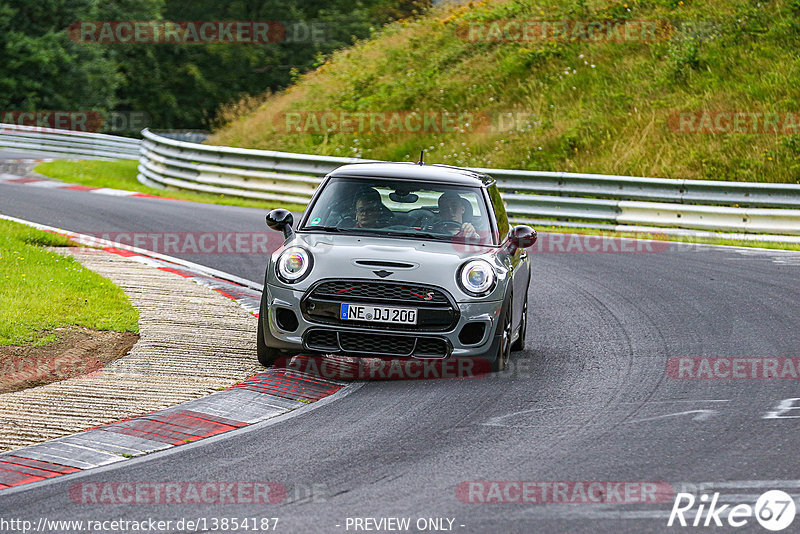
pixel 398 260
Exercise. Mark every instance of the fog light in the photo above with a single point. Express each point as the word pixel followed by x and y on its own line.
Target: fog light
pixel 472 333
pixel 286 319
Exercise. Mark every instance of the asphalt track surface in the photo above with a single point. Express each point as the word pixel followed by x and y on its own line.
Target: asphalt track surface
pixel 589 400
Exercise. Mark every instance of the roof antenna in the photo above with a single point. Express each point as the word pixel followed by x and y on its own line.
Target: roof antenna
pixel 421 156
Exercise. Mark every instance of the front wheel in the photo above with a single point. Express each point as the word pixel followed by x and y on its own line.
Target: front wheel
pixel 519 344
pixel 504 350
pixel 267 356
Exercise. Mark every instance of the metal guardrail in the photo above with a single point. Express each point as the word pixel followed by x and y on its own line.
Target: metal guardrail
pixel 85 144
pixel 670 190
pixel 556 198
pixel 256 174
pixel 540 197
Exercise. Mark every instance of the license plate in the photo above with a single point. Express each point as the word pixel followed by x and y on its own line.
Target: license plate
pixel 378 314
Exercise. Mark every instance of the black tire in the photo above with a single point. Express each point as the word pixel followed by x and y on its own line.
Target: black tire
pixel 519 344
pixel 504 349
pixel 267 356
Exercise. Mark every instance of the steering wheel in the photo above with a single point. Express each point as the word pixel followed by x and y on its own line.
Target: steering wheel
pixel 446 227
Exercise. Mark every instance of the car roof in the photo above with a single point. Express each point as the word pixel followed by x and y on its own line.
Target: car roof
pixel 413 171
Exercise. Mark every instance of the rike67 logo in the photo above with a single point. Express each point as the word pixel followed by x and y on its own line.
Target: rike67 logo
pixel 774 510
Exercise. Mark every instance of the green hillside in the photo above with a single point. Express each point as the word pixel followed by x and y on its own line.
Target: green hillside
pixel 660 104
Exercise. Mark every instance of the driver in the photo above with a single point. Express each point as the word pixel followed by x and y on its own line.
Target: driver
pixel 370 211
pixel 452 208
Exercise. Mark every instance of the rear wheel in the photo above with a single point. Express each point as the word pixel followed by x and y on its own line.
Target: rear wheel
pixel 504 350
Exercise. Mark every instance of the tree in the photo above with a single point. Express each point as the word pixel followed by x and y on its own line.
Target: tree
pixel 42 69
pixel 177 85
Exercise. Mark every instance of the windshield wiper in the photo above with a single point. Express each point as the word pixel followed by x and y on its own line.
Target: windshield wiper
pixel 324 228
pixel 339 229
pixel 413 234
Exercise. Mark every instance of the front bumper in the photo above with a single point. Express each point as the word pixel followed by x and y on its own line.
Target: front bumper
pixel 472 313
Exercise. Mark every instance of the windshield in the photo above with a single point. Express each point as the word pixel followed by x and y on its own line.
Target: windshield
pixel 401 208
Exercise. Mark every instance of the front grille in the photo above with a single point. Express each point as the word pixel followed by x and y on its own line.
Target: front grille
pixel 436 311
pixel 430 346
pixel 376 343
pixel 366 344
pixel 322 340
pixel 380 291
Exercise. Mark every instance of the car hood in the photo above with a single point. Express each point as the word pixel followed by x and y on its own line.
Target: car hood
pixel 363 257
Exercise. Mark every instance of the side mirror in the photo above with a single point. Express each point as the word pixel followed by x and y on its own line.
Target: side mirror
pixel 281 220
pixel 521 237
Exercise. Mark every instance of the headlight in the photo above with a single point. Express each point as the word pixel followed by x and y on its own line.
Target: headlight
pixel 293 264
pixel 477 277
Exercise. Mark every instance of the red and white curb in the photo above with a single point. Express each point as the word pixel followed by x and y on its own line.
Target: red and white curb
pixel 14 179
pixel 266 395
pixel 261 397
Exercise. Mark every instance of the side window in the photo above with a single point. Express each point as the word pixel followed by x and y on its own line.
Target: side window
pixel 499 211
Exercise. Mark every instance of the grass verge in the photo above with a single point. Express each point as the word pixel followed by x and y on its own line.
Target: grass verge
pixel 573 103
pixel 122 175
pixel 41 290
